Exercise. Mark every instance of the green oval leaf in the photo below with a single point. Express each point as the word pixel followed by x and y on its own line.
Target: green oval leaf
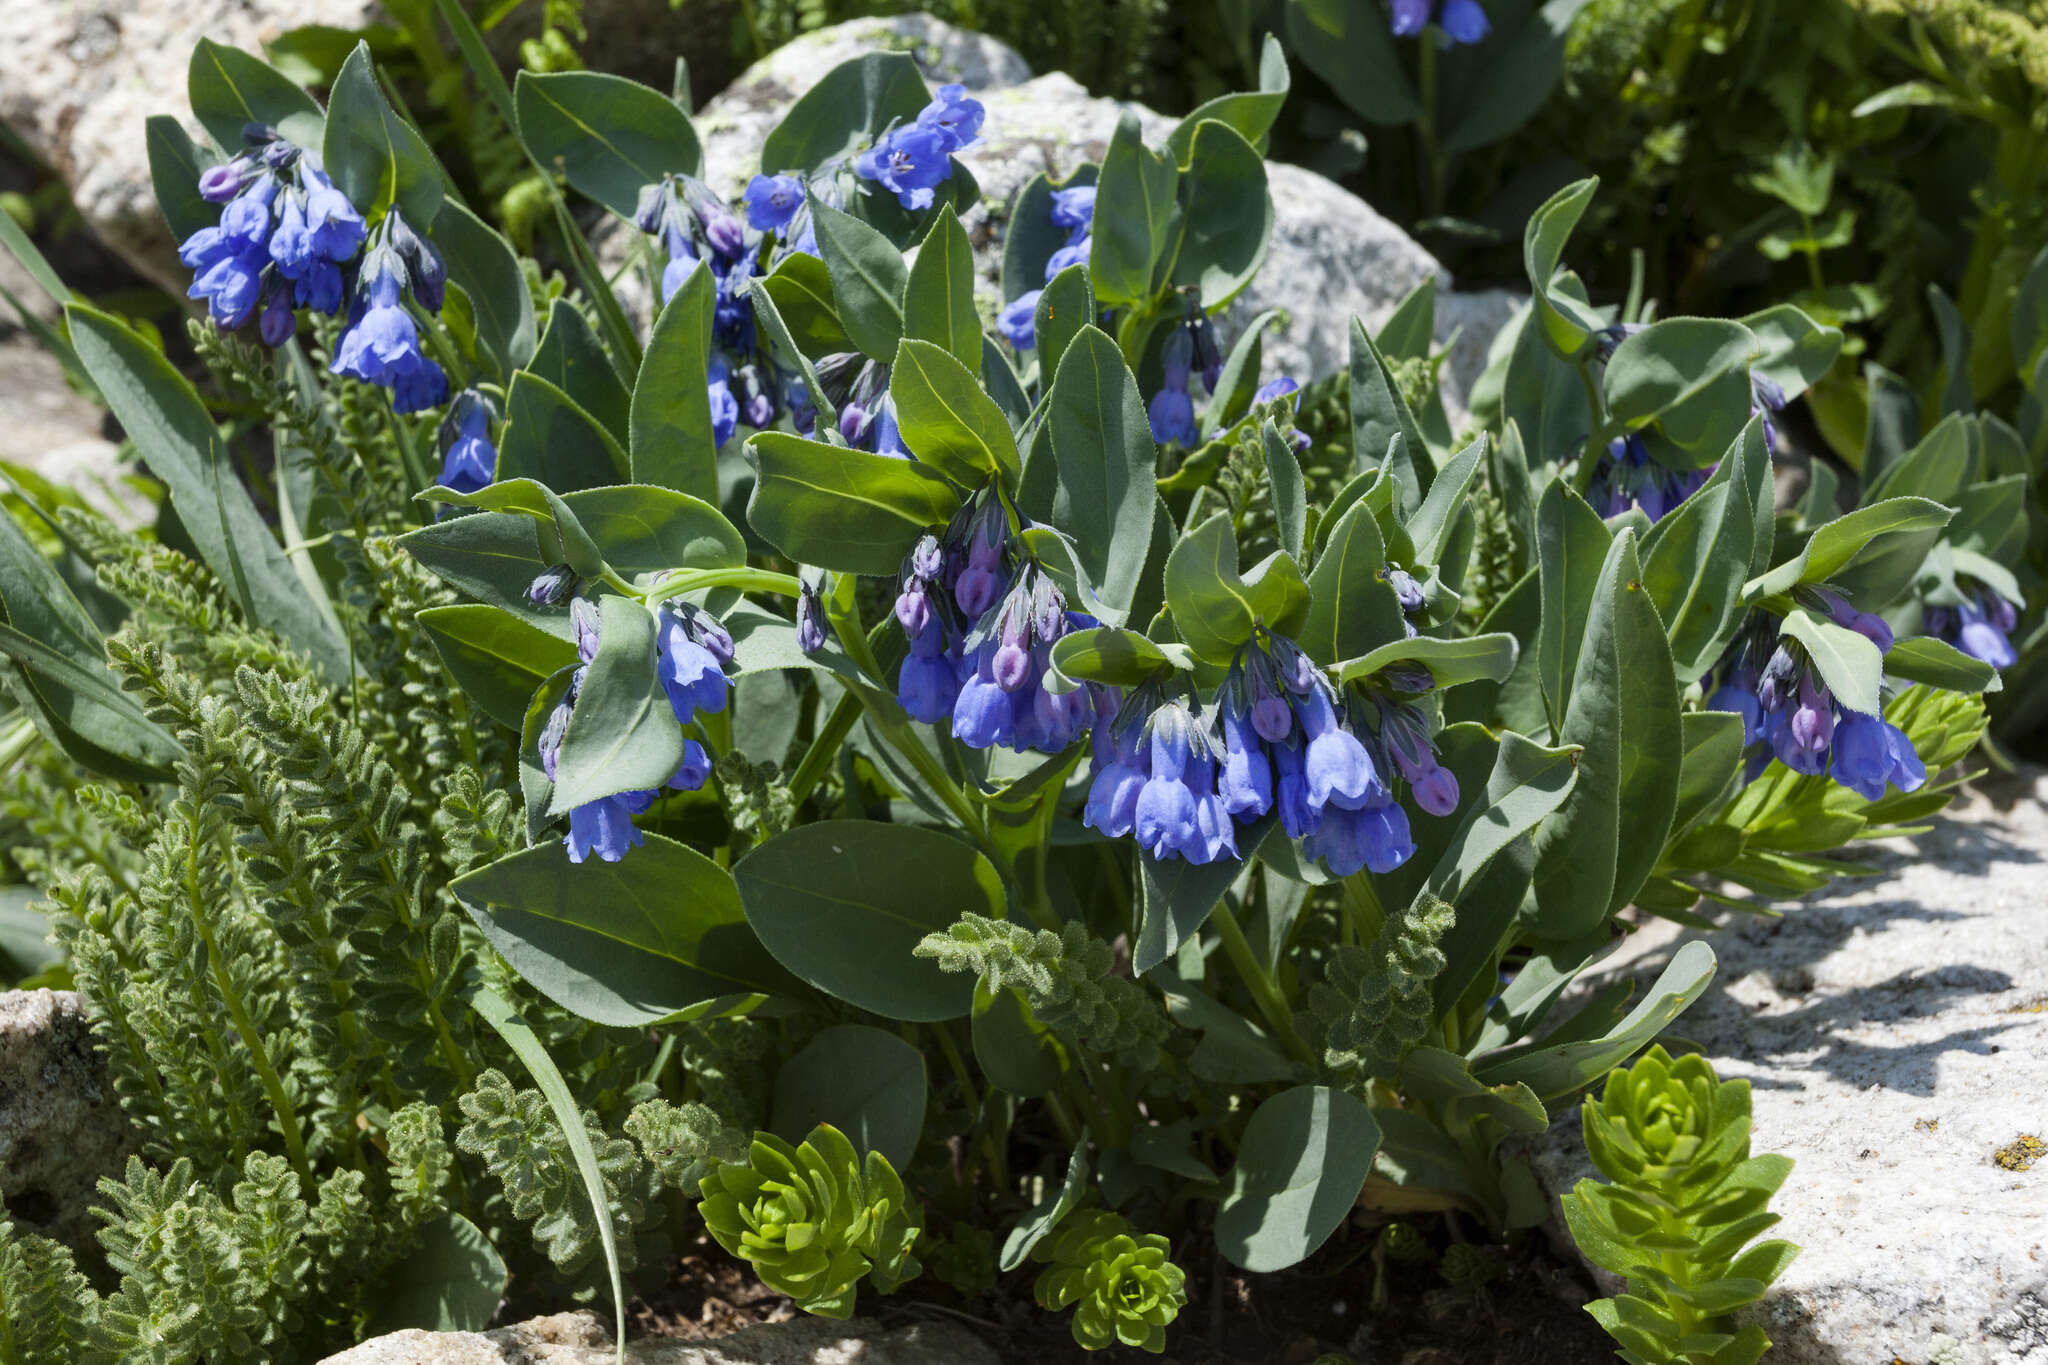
pixel 946 419
pixel 849 510
pixel 622 734
pixel 496 658
pixel 1304 1158
pixel 868 1084
pixel 842 903
pixel 608 135
pixel 228 89
pixel 376 158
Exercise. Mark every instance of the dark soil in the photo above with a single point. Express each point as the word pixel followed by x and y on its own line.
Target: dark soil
pixel 1317 1314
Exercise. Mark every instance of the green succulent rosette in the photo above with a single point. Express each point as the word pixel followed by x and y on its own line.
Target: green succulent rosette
pixel 1120 1285
pixel 814 1219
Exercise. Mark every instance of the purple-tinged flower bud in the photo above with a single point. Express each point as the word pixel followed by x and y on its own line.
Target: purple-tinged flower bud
pixel 1271 718
pixel 549 742
pixel 1010 666
pixel 1208 354
pixel 913 609
pixel 1406 589
pixel 1276 390
pixel 726 234
pixel 695 769
pixel 1780 676
pixel 583 620
pixel 219 184
pixel 927 558
pixel 650 210
pixel 552 586
pixel 277 321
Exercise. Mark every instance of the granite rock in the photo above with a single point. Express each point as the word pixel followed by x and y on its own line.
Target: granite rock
pixel 1894 1032
pixel 60 1127
pixel 1332 256
pixel 581 1339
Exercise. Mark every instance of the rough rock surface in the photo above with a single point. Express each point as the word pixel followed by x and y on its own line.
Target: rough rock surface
pixel 1895 1036
pixel 580 1339
pixel 1331 257
pixel 60 1128
pixel 78 77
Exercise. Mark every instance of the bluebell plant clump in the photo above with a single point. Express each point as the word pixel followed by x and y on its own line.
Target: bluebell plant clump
pixel 1790 714
pixel 1460 21
pixel 912 160
pixel 1073 209
pixel 981 618
pixel 285 233
pixel 693 652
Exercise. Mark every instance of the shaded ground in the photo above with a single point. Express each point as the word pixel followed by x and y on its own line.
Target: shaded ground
pixel 1320 1312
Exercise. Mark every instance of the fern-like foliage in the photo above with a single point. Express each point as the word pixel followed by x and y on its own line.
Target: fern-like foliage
pixel 1067 978
pixel 679 1141
pixel 48 1311
pixel 1374 1002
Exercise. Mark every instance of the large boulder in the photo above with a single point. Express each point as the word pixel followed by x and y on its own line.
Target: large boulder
pixel 1332 255
pixel 60 1127
pixel 1895 1036
pixel 580 1339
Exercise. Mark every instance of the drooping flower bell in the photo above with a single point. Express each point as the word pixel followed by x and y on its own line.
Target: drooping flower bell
pixel 692 651
pixel 1629 476
pixel 772 201
pixel 1981 625
pixel 1191 349
pixel 382 343
pixel 468 459
pixel 912 160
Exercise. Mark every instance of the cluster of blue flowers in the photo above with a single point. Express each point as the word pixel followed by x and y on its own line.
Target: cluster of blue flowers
pixel 468 459
pixel 1279 736
pixel 288 239
pixel 693 224
pixel 284 234
pixel 981 618
pixel 1629 476
pixel 1789 714
pixel 1074 210
pixel 1462 21
pixel 692 651
pixel 859 390
pixel 1190 349
pixel 1981 626
pixel 913 159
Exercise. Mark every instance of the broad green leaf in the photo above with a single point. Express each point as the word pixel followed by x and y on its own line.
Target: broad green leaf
pixel 1350 46
pixel 1697 558
pixel 1239 380
pixel 1848 662
pixel 1527 784
pixel 375 157
pixel 842 509
pixel 1379 414
pixel 1214 606
pixel 451 1282
pixel 1352 608
pixel 1556 1072
pixel 174 167
pixel 1118 657
pixel 1064 308
pixel 1712 743
pixel 1836 546
pixel 1571 542
pixel 946 419
pixel 868 277
pixel 229 89
pixel 1518 69
pixel 843 904
pixel 562 537
pixel 1795 350
pixel 868 1084
pixel 1134 216
pixel 1668 362
pixel 609 136
pixel 1624 714
pixel 1938 468
pixel 496 658
pixel 1249 113
pixel 550 439
pixel 1226 215
pixel 1046 1214
pixel 1430 529
pixel 481 263
pixel 492 557
pixel 802 290
pixel 505 1018
pixel 670 411
pixel 845 111
pixel 938 296
pixel 1566 322
pixel 1102 440
pixel 623 734
pixel 1016 1052
pixel 1289 490
pixel 1030 236
pixel 1924 659
pixel 1303 1159
pixel 1177 896
pixel 644 529
pixel 656 936
pixel 571 358
pixel 172 430
pixel 1449 661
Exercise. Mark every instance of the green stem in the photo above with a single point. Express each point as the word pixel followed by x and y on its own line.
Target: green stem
pixel 1272 1004
pixel 689 580
pixel 825 748
pixel 252 1042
